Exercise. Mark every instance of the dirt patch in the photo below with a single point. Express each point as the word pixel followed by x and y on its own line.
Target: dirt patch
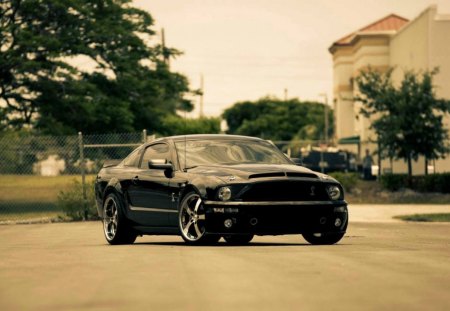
pixel 366 192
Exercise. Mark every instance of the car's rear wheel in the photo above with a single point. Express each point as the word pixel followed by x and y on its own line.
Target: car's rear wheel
pixel 323 238
pixel 238 239
pixel 115 225
pixel 191 219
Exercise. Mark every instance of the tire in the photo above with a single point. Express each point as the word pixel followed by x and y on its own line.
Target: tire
pixel 240 239
pixel 115 226
pixel 191 221
pixel 323 238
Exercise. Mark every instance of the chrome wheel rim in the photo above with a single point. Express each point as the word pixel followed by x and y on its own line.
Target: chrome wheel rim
pixel 192 218
pixel 110 218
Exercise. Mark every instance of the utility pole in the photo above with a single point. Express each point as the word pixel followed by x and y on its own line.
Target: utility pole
pixel 285 95
pixel 201 115
pixel 163 44
pixel 325 117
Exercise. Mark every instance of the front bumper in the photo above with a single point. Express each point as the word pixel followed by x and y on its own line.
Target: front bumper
pixel 272 218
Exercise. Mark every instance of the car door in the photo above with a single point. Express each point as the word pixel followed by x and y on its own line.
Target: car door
pixel 176 187
pixel 128 169
pixel 149 193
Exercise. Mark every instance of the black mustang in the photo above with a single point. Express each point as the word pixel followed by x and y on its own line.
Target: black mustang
pixel 204 187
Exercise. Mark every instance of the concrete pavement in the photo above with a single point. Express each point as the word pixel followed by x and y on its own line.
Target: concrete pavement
pixel 386 212
pixel 68 266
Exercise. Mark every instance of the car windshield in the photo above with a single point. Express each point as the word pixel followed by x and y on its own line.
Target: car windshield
pixel 227 152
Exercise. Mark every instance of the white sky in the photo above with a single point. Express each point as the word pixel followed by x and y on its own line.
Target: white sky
pixel 247 49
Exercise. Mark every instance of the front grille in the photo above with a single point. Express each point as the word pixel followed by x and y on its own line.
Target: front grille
pixel 285 191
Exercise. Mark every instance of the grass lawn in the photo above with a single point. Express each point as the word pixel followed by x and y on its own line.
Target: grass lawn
pixel 445 217
pixel 31 196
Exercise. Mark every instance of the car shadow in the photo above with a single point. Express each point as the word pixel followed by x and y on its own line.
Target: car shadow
pixel 224 244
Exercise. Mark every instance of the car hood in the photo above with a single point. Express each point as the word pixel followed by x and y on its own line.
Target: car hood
pixel 251 171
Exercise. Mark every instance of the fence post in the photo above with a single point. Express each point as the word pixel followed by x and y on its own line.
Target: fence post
pixel 144 136
pixel 379 161
pixel 83 173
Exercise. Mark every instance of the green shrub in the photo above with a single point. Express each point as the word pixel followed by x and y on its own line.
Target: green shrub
pixel 348 180
pixel 71 201
pixel 394 182
pixel 423 183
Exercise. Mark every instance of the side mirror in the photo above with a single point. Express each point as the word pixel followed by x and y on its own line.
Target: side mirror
pixel 297 161
pixel 161 164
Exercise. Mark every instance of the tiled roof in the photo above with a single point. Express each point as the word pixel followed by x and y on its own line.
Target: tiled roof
pixel 390 22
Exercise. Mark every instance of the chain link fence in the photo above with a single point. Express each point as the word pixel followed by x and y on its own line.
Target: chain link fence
pixel 34 170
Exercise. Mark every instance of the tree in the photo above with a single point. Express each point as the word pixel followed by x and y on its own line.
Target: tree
pixel 406 119
pixel 130 89
pixel 274 119
pixel 175 125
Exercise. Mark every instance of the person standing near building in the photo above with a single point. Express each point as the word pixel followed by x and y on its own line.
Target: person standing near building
pixel 367 166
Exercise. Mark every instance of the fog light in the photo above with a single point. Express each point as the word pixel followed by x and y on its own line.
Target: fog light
pixel 338 222
pixel 228 223
pixel 340 209
pixel 253 221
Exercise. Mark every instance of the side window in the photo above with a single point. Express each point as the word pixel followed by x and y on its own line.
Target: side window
pixel 157 151
pixel 133 158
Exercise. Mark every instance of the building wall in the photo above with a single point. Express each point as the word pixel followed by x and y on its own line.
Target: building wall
pixel 440 57
pixel 440 53
pixel 374 53
pixel 348 61
pixel 423 44
pixel 342 93
pixel 409 50
pixel 410 46
pixel 371 50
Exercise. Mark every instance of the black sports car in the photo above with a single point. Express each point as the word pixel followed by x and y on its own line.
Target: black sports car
pixel 204 187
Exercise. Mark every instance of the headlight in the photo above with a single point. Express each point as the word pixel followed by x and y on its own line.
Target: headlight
pixel 224 194
pixel 334 192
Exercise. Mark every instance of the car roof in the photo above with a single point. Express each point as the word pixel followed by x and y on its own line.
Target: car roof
pixel 206 137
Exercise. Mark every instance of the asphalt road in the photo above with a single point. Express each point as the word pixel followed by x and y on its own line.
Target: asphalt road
pixel 377 266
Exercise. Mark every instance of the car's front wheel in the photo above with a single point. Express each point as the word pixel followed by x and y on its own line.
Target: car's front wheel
pixel 115 225
pixel 323 238
pixel 191 219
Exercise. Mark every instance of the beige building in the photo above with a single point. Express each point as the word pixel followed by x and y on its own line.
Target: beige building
pixel 420 44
